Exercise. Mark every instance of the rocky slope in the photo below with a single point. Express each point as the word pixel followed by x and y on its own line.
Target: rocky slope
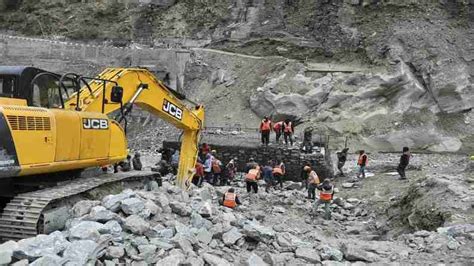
pixel 385 73
pixel 168 226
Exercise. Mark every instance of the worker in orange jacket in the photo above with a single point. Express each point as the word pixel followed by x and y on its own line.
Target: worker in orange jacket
pixel 230 199
pixel 288 129
pixel 325 197
pixel 265 129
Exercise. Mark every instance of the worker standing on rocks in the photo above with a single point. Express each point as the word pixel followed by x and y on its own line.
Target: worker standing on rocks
pixel 305 174
pixel 199 174
pixel 208 168
pixel 267 173
pixel 216 170
pixel 136 162
pixel 341 160
pixel 252 176
pixel 325 197
pixel 250 165
pixel 362 162
pixel 278 129
pixel 313 182
pixel 404 161
pixel 279 172
pixel 231 168
pixel 265 128
pixel 288 130
pixel 230 199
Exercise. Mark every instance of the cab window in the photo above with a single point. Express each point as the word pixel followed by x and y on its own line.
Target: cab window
pixel 7 85
pixel 46 93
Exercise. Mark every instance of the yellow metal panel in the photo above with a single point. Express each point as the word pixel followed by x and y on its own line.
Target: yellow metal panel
pixel 68 135
pixel 65 165
pixel 33 132
pixel 118 141
pixel 95 136
pixel 12 101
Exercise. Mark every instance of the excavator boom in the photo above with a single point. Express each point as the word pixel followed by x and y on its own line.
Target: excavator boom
pixel 120 88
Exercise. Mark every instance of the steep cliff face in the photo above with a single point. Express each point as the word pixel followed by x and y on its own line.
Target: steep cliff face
pixel 387 73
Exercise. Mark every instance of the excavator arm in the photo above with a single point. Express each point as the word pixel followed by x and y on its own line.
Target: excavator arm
pixel 120 88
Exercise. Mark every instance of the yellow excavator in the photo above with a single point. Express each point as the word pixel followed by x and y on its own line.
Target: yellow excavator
pixel 60 124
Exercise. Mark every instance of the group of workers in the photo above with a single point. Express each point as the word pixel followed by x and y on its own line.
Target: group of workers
pixel 211 170
pixel 363 160
pixel 275 171
pixel 285 128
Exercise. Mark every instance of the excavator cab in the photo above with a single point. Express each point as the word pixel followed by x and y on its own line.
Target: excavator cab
pixel 39 88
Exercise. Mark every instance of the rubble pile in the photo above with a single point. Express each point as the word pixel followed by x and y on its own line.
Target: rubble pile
pixel 168 226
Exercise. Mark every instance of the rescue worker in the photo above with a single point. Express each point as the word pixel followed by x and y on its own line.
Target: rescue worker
pixel 404 161
pixel 265 128
pixel 362 163
pixel 278 129
pixel 124 166
pixel 325 197
pixel 288 130
pixel 136 162
pixel 166 154
pixel 250 165
pixel 208 168
pixel 230 199
pixel 216 170
pixel 279 172
pixel 199 174
pixel 341 160
pixel 204 150
pixel 304 174
pixel 313 182
pixel 267 173
pixel 231 170
pixel 251 178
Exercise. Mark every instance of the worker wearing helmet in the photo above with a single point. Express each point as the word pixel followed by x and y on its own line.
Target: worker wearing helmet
pixel 230 199
pixel 265 129
pixel 325 197
pixel 313 182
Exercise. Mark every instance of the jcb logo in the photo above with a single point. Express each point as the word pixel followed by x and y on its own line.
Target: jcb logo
pixel 173 110
pixel 94 123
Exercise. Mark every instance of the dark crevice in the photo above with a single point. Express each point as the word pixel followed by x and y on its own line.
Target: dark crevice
pixel 426 85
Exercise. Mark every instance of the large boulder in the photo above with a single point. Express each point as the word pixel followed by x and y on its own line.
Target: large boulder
pixel 81 251
pixel 41 245
pixel 136 225
pixel 258 232
pixel 279 106
pixel 6 251
pixel 229 238
pixel 101 214
pixel 172 260
pixel 86 230
pixel 113 202
pixel 353 253
pixel 308 254
pixel 132 206
pixel 83 207
pixel 48 260
pixel 214 260
pixel 180 208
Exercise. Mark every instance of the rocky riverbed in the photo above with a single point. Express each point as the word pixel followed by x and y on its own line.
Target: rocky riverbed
pixel 375 221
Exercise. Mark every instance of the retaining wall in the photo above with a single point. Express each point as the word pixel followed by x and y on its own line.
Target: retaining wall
pixel 62 56
pixel 293 158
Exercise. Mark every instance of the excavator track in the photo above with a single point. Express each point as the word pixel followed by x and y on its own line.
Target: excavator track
pixel 23 216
